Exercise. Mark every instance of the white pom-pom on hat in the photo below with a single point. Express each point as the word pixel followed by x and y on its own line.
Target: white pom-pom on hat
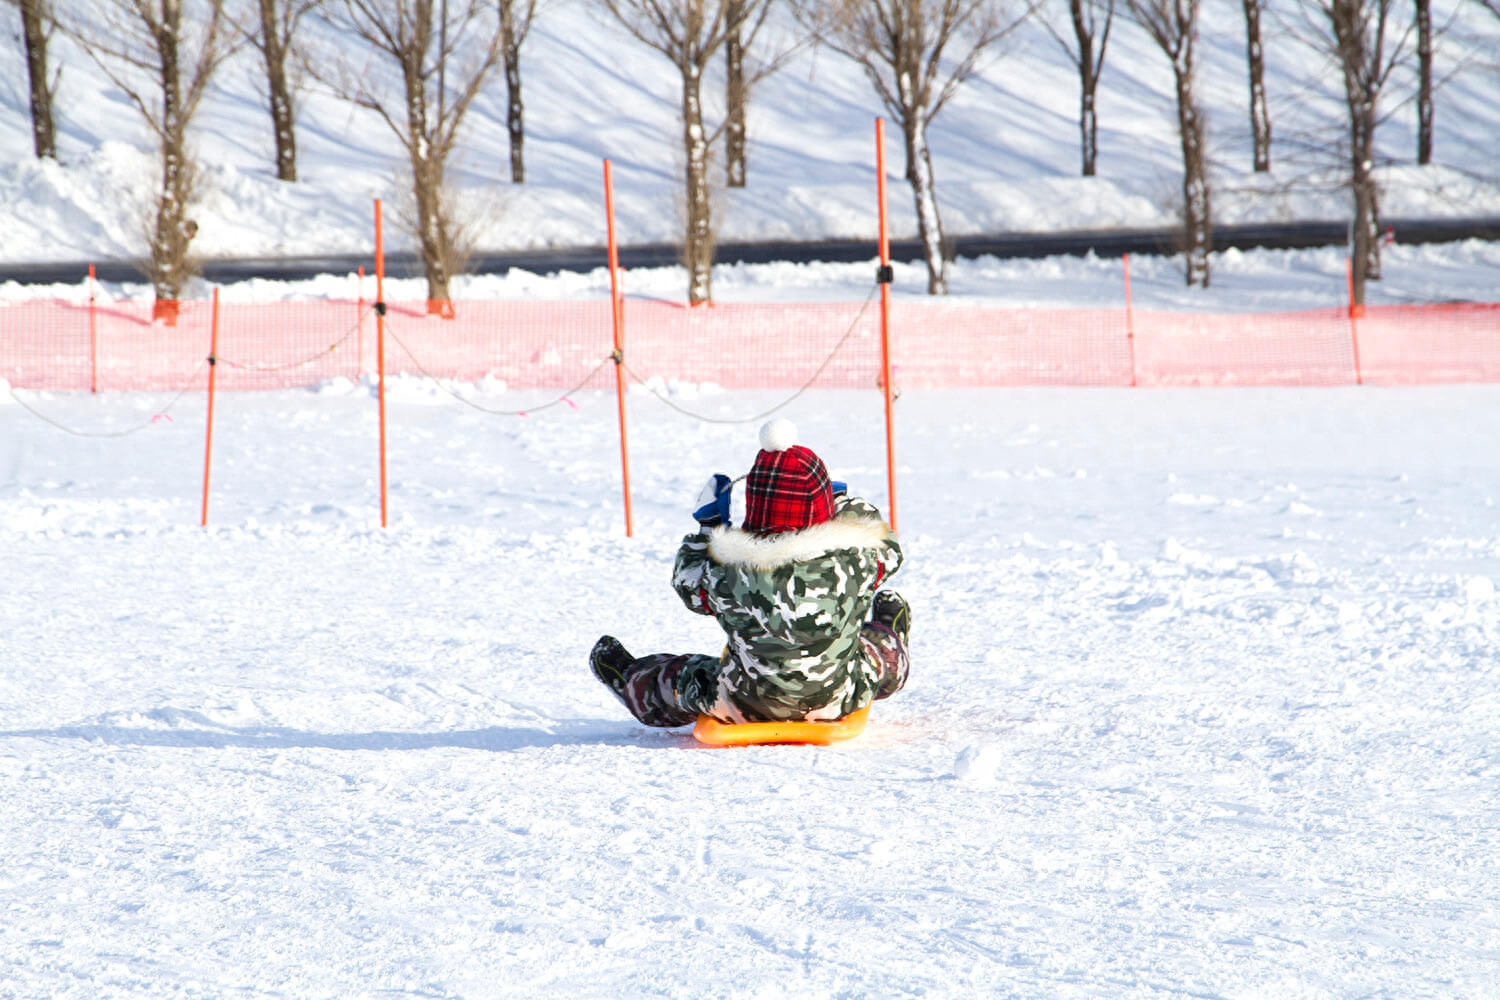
pixel 778 435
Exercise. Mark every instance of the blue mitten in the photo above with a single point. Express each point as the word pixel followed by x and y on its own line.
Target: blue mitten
pixel 712 507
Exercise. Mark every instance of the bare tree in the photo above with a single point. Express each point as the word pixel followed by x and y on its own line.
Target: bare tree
pixel 689 33
pixel 916 54
pixel 1260 113
pixel 1173 26
pixel 746 19
pixel 516 17
pixel 37 26
pixel 1091 21
pixel 162 58
pixel 1365 45
pixel 1424 82
pixel 273 34
pixel 419 44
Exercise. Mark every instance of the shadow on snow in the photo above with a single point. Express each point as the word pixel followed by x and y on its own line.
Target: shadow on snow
pixel 497 739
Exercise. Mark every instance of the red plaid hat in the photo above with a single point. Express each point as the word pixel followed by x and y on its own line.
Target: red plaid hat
pixel 788 487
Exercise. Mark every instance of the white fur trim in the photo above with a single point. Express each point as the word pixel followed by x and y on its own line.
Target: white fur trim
pixel 737 547
pixel 778 435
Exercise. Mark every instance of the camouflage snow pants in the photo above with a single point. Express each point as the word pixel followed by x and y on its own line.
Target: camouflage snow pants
pixel 652 682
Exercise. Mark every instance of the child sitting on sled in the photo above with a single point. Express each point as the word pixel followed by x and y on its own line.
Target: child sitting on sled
pixel 792 588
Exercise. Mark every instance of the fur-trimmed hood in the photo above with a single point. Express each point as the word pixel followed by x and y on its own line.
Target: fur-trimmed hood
pixel 737 547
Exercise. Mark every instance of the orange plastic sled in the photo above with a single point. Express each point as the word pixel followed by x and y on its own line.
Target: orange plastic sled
pixel 724 734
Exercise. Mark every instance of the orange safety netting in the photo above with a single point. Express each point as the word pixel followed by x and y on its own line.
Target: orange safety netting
pixel 556 345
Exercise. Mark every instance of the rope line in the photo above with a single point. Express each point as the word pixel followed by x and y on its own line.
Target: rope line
pixel 111 434
pixel 565 397
pixel 779 406
pixel 242 366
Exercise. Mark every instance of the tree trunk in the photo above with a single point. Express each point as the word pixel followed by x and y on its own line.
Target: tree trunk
pixel 1260 115
pixel 173 230
pixel 1361 94
pixel 929 224
pixel 427 169
pixel 734 97
pixel 432 228
pixel 34 27
pixel 1365 233
pixel 1366 245
pixel 698 249
pixel 515 110
pixel 282 123
pixel 1424 86
pixel 1366 249
pixel 1196 213
pixel 1089 123
pixel 1088 80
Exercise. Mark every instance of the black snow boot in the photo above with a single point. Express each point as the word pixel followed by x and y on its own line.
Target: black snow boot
pixel 610 663
pixel 891 610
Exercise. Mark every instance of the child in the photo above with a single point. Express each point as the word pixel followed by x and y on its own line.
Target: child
pixel 791 588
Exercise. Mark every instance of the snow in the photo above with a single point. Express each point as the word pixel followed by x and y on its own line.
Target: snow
pixel 1005 150
pixel 1202 703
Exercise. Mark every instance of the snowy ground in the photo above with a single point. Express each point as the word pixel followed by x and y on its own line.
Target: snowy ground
pixel 1203 704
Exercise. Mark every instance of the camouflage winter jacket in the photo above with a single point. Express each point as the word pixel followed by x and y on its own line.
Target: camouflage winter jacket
pixel 792 606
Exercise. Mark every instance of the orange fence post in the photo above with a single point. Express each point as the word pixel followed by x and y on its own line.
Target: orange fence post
pixel 359 363
pixel 885 276
pixel 380 354
pixel 1354 313
pixel 1129 321
pixel 93 335
pixel 208 436
pixel 617 303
